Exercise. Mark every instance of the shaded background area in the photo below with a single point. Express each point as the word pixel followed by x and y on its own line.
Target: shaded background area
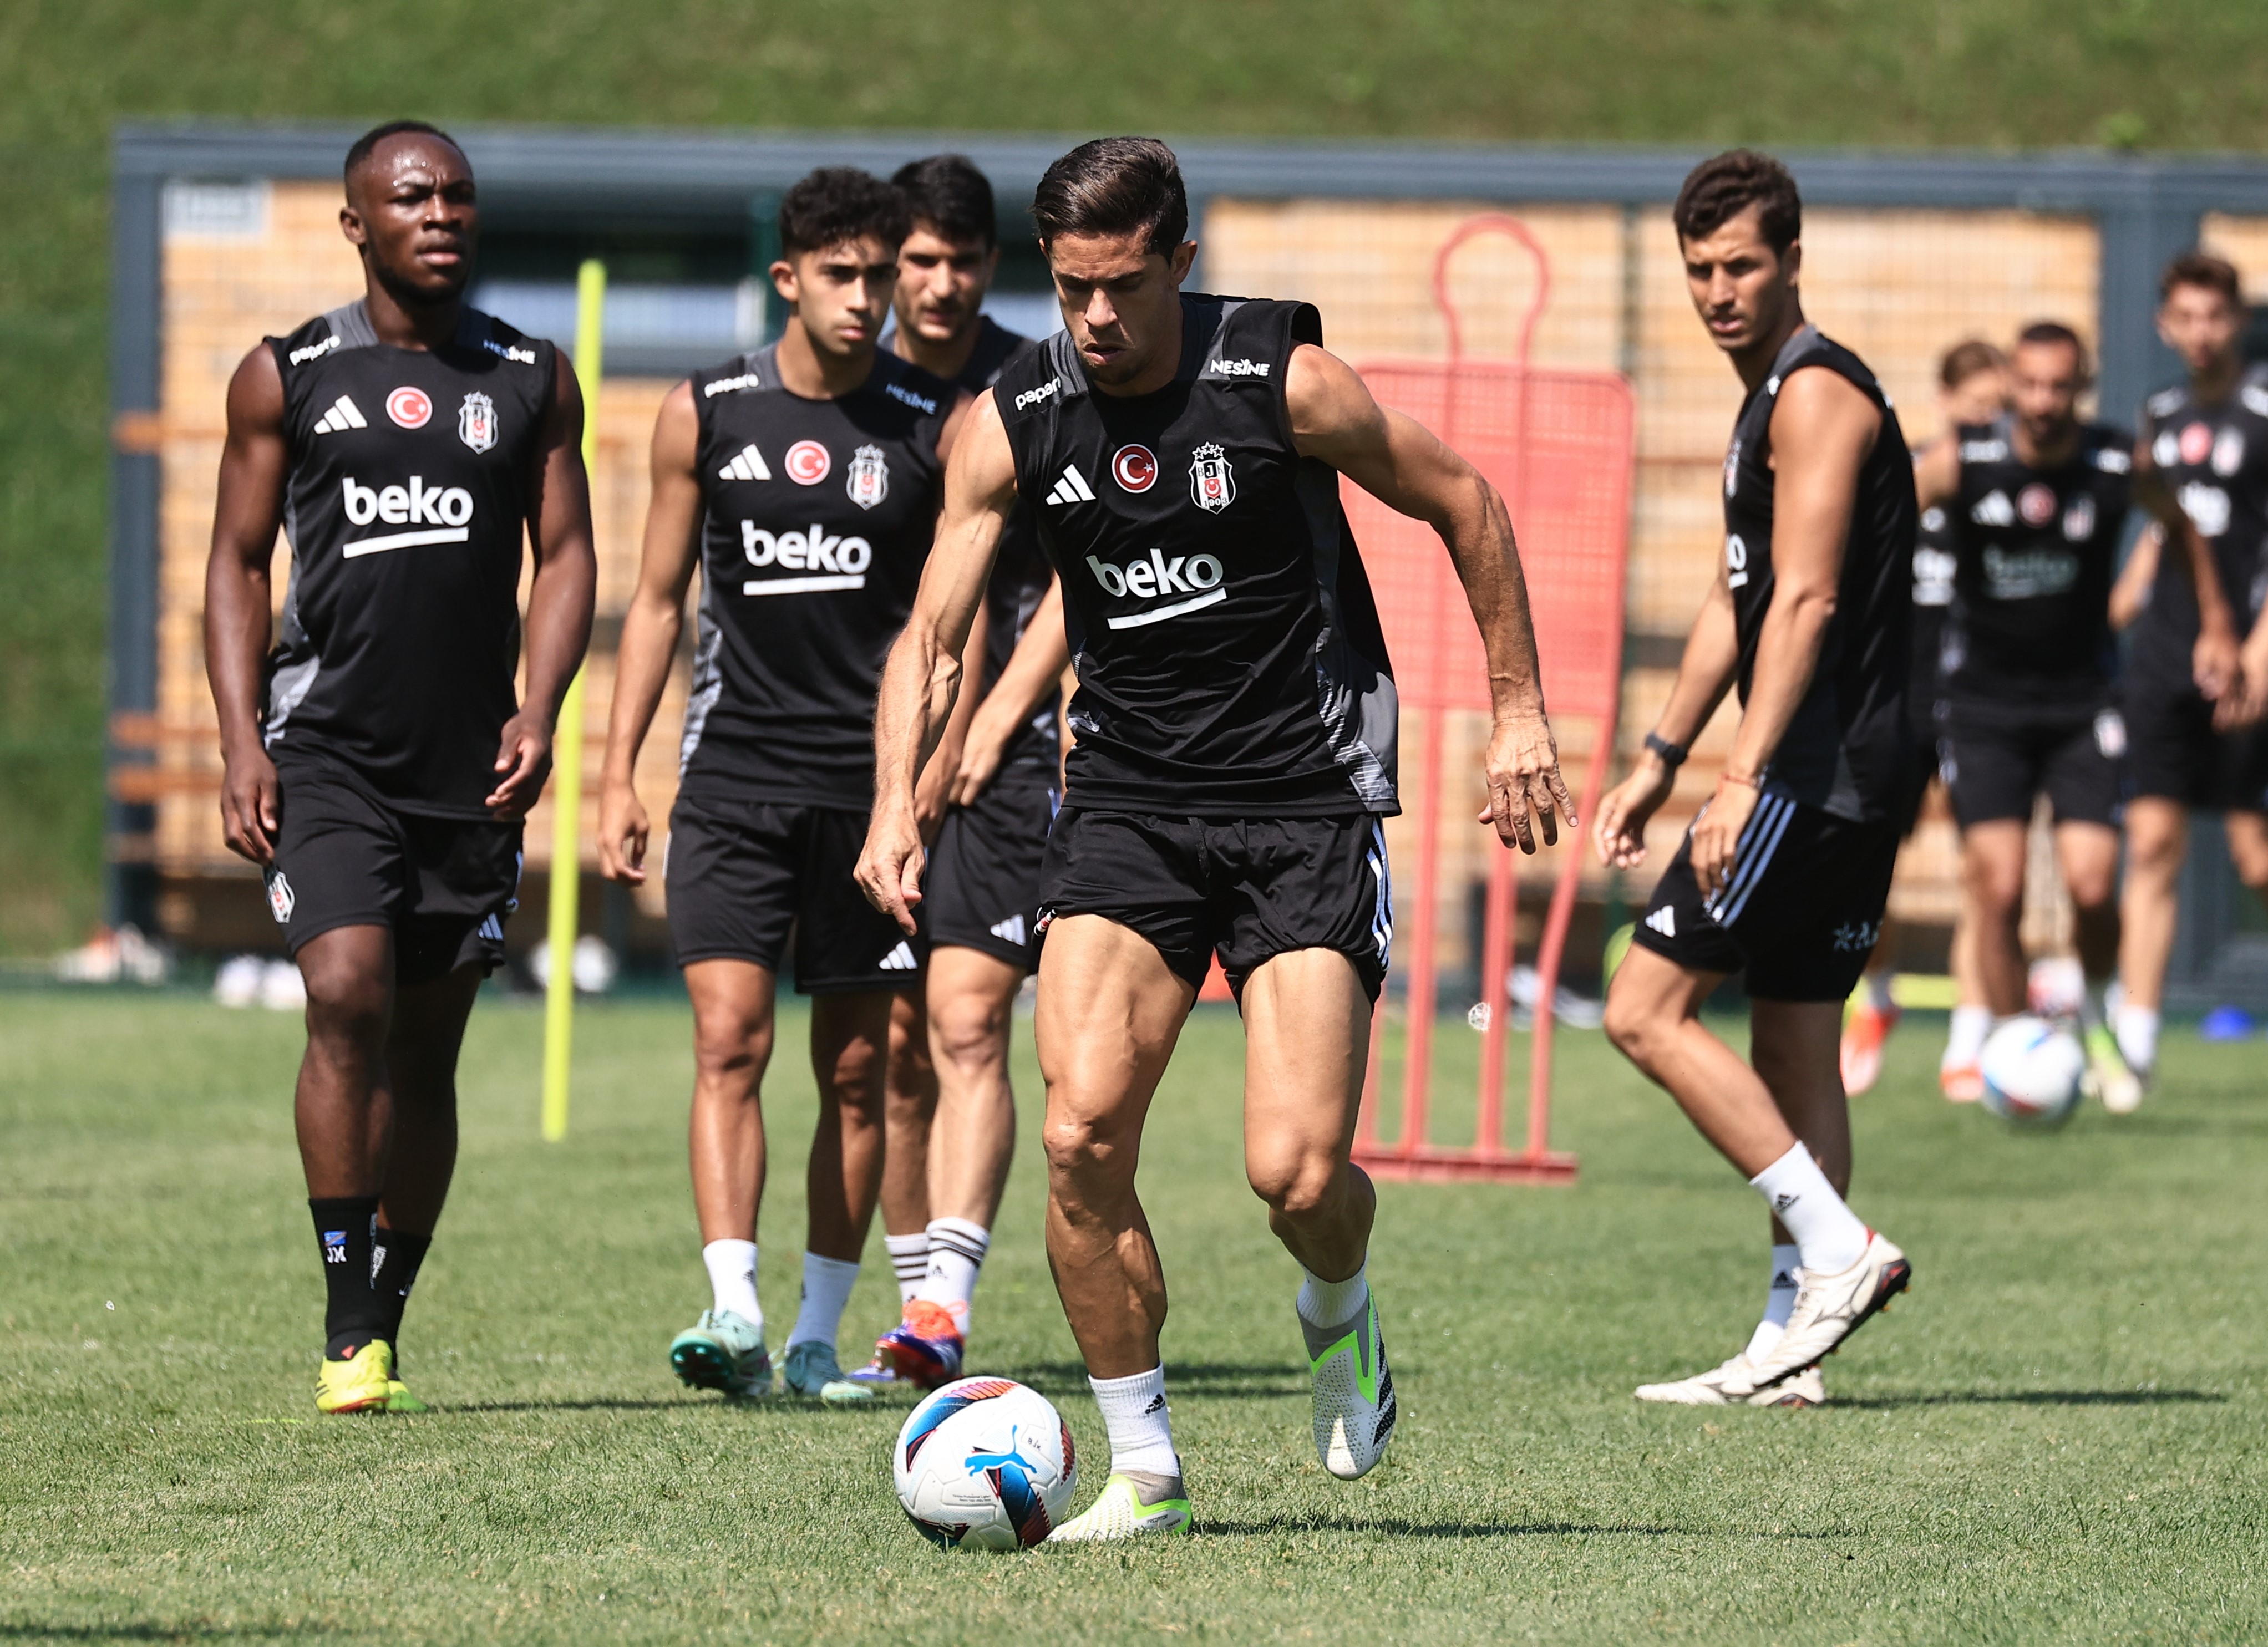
pixel 1996 73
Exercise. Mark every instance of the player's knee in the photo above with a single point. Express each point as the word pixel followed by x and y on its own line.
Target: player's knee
pixel 1296 1184
pixel 345 1004
pixel 1081 1149
pixel 969 1036
pixel 1634 1024
pixel 731 1043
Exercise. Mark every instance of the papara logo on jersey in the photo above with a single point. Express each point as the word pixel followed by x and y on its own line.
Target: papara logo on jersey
pixel 315 351
pixel 869 482
pixel 1733 468
pixel 807 463
pixel 1212 485
pixel 1134 468
pixel 840 563
pixel 1032 397
pixel 1196 575
pixel 446 512
pixel 409 405
pixel 726 386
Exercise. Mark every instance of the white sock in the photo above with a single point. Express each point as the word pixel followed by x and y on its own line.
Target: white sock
pixel 1327 1303
pixel 1779 1301
pixel 1878 989
pixel 2136 1029
pixel 1829 1234
pixel 956 1254
pixel 909 1262
pixel 731 1266
pixel 825 1289
pixel 1964 1042
pixel 1141 1430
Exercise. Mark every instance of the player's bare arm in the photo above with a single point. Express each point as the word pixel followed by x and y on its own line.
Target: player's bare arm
pixel 1034 672
pixel 1705 673
pixel 1937 472
pixel 651 629
pixel 923 677
pixel 1823 427
pixel 2131 592
pixel 934 794
pixel 2215 662
pixel 238 599
pixel 560 597
pixel 1401 463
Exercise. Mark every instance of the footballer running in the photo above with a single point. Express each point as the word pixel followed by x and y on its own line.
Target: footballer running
pixel 378 760
pixel 1235 752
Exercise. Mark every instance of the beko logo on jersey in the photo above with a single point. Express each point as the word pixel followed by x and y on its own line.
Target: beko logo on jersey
pixel 1196 576
pixel 446 512
pixel 899 392
pixel 314 351
pixel 1032 397
pixel 725 385
pixel 1239 368
pixel 842 562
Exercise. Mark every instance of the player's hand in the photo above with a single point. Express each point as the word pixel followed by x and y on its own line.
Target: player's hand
pixel 1525 788
pixel 2216 663
pixel 248 807
pixel 623 831
pixel 523 761
pixel 890 863
pixel 1619 830
pixel 1717 834
pixel 2246 700
pixel 990 731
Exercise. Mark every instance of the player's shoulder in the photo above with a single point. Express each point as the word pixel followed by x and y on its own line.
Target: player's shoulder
pixel 481 334
pixel 1812 351
pixel 2107 447
pixel 2167 403
pixel 729 381
pixel 911 387
pixel 1980 444
pixel 1034 382
pixel 331 333
pixel 1246 339
pixel 995 346
pixel 2252 392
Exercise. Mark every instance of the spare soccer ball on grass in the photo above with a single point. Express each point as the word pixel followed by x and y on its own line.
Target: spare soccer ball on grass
pixel 2032 1070
pixel 986 1464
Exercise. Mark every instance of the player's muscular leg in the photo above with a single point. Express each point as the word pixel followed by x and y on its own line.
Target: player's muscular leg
pixel 733 1032
pixel 2157 841
pixel 1992 869
pixel 1307 1036
pixel 972 1004
pixel 1109 1011
pixel 341 1109
pixel 2248 848
pixel 421 1068
pixel 2088 853
pixel 1654 1018
pixel 908 1111
pixel 850 1058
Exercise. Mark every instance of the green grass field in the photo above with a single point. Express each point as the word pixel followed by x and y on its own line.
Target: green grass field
pixel 2061 1435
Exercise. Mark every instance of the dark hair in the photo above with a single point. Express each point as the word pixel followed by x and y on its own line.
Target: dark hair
pixel 366 145
pixel 1966 360
pixel 2055 331
pixel 841 203
pixel 1115 186
pixel 952 196
pixel 1719 190
pixel 2203 268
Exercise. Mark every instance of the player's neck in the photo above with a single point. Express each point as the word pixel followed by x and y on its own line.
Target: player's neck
pixel 419 325
pixel 2052 454
pixel 2218 381
pixel 946 360
pixel 806 370
pixel 1754 362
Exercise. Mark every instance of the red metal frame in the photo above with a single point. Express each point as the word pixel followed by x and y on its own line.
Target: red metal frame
pixel 1580 632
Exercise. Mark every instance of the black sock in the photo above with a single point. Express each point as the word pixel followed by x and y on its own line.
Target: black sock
pixel 396 1257
pixel 351 1315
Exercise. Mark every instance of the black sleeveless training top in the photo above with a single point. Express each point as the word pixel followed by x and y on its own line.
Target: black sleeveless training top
pixel 819 517
pixel 1229 656
pixel 406 505
pixel 1846 749
pixel 2214 459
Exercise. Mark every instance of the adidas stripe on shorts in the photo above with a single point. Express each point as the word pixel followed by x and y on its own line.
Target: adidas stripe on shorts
pixel 743 877
pixel 1800 914
pixel 982 888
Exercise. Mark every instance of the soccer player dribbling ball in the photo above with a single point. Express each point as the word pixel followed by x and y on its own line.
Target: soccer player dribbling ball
pixel 1786 869
pixel 378 764
pixel 1236 727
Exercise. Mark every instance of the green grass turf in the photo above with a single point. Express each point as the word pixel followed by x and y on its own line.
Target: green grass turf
pixel 2057 1437
pixel 2181 74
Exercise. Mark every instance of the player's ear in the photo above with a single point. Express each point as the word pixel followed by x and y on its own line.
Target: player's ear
pixel 783 281
pixel 1792 262
pixel 351 225
pixel 1183 259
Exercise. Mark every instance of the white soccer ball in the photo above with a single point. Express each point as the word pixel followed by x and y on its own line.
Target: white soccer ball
pixel 2032 1070
pixel 986 1464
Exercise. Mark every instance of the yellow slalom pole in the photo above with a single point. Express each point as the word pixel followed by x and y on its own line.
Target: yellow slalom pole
pixel 567 754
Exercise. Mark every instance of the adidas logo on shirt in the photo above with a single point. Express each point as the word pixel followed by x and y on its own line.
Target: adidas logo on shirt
pixel 1011 930
pixel 1070 490
pixel 1664 921
pixel 748 465
pixel 342 417
pixel 900 959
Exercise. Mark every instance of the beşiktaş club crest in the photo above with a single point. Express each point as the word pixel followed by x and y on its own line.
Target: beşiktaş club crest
pixel 477 421
pixel 1213 487
pixel 869 481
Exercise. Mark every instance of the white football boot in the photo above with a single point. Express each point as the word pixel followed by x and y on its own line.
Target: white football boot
pixel 1132 1503
pixel 1829 1308
pixel 1354 1393
pixel 1735 1384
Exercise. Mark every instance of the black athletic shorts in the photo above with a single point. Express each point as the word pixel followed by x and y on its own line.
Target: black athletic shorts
pixel 981 889
pixel 2174 754
pixel 1247 889
pixel 343 858
pixel 1995 761
pixel 1800 914
pixel 741 875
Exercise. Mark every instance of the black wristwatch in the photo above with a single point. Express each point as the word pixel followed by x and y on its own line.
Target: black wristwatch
pixel 1671 755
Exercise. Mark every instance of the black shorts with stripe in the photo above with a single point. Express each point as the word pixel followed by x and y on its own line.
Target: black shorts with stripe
pixel 982 890
pixel 1245 889
pixel 1802 909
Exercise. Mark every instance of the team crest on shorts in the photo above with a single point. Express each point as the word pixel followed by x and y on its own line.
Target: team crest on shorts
pixel 1212 485
pixel 477 421
pixel 869 481
pixel 281 899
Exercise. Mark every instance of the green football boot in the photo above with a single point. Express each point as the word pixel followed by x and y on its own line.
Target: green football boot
pixel 812 1372
pixel 723 1351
